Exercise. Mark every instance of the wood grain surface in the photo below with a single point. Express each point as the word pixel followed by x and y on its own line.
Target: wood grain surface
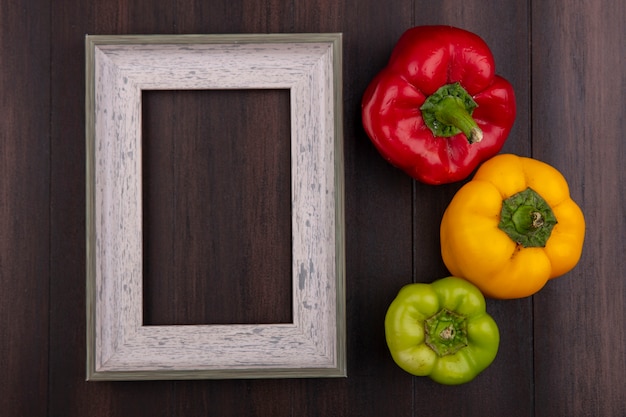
pixel 563 351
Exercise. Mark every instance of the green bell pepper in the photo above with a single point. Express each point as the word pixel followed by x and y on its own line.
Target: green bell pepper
pixel 441 330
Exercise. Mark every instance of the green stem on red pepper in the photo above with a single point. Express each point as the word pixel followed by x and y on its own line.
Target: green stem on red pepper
pixel 448 112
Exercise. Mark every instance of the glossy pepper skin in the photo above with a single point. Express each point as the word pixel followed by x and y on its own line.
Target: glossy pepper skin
pixel 441 330
pixel 499 235
pixel 442 76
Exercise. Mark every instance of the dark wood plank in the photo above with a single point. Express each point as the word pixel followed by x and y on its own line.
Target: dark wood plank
pixel 579 108
pixel 24 202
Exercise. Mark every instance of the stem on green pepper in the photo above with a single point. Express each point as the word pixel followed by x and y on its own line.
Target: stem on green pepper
pixel 448 112
pixel 446 332
pixel 527 219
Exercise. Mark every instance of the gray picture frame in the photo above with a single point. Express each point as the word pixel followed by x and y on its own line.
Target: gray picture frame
pixel 119 346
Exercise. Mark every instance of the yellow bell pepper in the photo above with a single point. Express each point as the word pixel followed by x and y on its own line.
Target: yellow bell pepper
pixel 512 228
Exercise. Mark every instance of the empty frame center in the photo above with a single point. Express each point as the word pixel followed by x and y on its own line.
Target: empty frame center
pixel 216 207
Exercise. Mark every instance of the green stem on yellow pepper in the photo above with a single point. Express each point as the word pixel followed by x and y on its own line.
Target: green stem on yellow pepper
pixel 527 219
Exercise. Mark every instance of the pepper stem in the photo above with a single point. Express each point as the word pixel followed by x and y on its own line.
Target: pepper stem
pixel 446 332
pixel 527 219
pixel 448 112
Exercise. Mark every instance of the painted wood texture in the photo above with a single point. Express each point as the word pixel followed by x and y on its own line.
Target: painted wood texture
pixel 119 345
pixel 562 351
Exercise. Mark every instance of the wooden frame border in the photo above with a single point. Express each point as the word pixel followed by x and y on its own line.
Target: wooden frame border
pixel 118 68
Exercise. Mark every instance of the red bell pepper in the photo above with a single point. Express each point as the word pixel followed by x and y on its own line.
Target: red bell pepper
pixel 437 110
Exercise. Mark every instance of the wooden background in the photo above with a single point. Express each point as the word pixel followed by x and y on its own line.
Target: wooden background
pixel 563 351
